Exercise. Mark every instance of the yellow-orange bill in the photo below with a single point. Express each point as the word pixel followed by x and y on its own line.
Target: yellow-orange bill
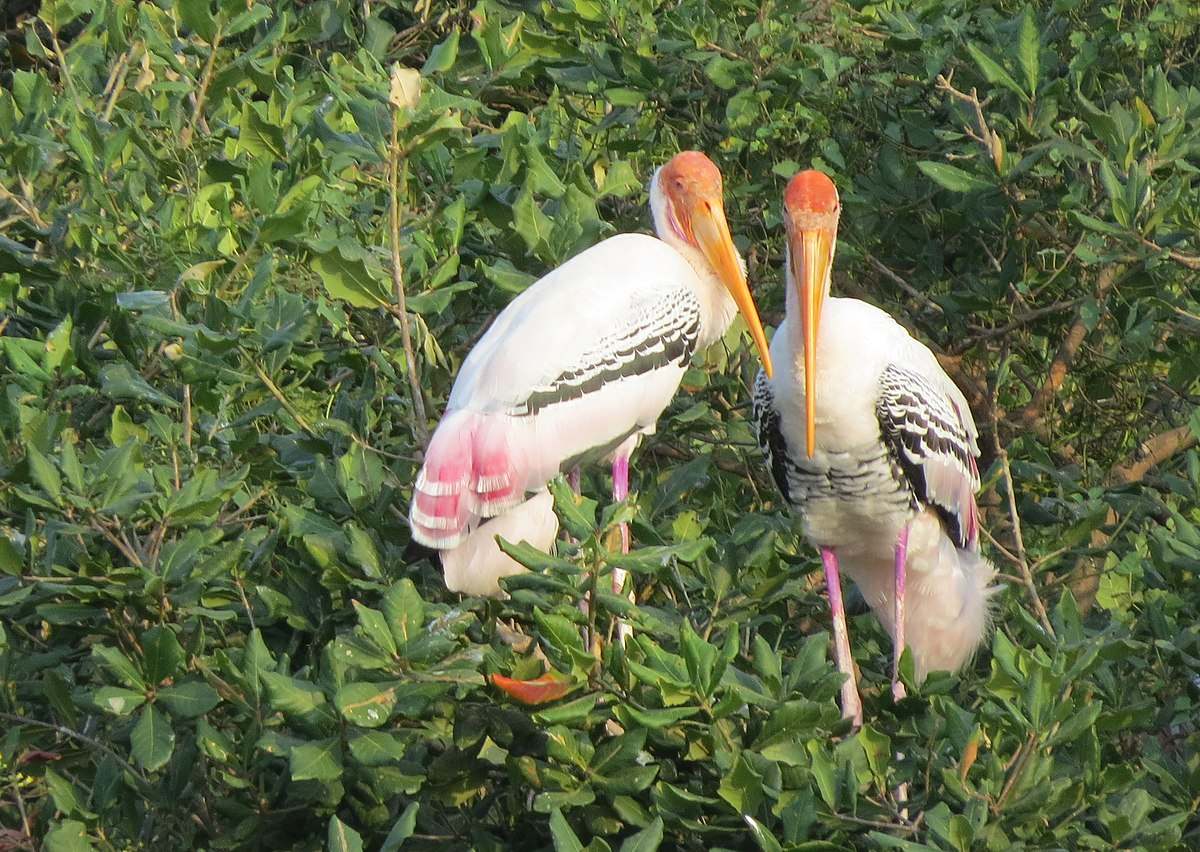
pixel 711 232
pixel 811 257
pixel 540 690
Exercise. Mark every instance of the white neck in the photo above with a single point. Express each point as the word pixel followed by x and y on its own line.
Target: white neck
pixel 716 304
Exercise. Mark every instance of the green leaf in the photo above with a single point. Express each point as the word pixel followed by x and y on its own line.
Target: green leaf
pixel 375 627
pixel 532 225
pixel 66 796
pixel 700 657
pixel 402 830
pixel 162 654
pixel 404 612
pixel 58 347
pixel 320 760
pixel 953 178
pixel 197 16
pixel 376 748
pixel 442 56
pixel 152 739
pixel 994 72
pixel 119 381
pixel 362 551
pixel 121 666
pixel 290 695
pixel 366 704
pixel 762 837
pixel 188 700
pixel 346 276
pixel 1028 45
pixel 68 836
pixel 565 839
pixel 577 513
pixel 646 840
pixel 44 473
pixel 341 837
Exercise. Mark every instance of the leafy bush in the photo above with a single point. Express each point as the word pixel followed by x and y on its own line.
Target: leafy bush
pixel 216 632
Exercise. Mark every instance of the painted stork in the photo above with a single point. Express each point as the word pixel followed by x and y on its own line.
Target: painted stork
pixel 576 369
pixel 873 446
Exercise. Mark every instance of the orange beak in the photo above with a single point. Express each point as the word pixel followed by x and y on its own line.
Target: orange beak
pixel 812 254
pixel 711 232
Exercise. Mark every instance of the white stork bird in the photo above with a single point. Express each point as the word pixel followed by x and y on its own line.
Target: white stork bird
pixel 577 368
pixel 874 448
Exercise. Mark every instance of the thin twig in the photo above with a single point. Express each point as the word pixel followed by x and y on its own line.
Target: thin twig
pixel 185 136
pixel 1022 758
pixel 1032 413
pixel 278 394
pixel 420 429
pixel 988 138
pixel 75 735
pixel 1191 261
pixel 1021 560
pixel 902 284
pixel 1018 321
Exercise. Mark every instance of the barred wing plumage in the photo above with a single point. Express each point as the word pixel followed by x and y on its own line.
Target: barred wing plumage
pixel 932 440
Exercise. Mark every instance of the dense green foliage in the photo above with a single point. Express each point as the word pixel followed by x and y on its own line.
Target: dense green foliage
pixel 215 632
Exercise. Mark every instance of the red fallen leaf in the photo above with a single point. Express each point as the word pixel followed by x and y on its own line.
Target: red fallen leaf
pixel 540 690
pixel 37 754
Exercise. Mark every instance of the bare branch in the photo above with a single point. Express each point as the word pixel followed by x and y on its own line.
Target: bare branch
pixel 1017 321
pixel 1152 452
pixel 1032 413
pixel 988 138
pixel 1021 559
pixel 1191 261
pixel 397 163
pixel 902 284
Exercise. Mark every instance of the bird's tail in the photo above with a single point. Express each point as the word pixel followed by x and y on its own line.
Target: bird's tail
pixel 476 565
pixel 948 607
pixel 471 471
pixel 947 602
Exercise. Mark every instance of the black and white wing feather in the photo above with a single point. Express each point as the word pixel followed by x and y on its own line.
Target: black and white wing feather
pixel 931 438
pixel 658 331
pixel 770 434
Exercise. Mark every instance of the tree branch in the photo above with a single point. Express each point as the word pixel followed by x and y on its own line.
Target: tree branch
pixel 1152 452
pixel 1032 414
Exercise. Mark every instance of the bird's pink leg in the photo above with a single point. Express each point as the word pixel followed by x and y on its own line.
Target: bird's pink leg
pixel 620 474
pixel 851 703
pixel 898 613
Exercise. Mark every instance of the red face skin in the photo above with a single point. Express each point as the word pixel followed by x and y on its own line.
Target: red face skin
pixel 690 180
pixel 810 197
pixel 692 185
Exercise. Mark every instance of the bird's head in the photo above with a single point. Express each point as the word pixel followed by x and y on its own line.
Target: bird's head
pixel 811 209
pixel 688 200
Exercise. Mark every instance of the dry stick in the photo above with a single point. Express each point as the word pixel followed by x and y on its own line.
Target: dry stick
pixel 1154 451
pixel 420 430
pixel 988 138
pixel 1021 560
pixel 1191 261
pixel 185 135
pixel 1021 320
pixel 278 394
pixel 902 284
pixel 1032 413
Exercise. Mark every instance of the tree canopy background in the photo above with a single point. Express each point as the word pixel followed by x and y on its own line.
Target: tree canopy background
pixel 215 631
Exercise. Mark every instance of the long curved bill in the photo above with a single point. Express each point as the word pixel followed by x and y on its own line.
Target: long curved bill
pixel 812 253
pixel 711 232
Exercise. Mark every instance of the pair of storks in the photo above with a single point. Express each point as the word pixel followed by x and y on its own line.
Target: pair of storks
pixel 869 441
